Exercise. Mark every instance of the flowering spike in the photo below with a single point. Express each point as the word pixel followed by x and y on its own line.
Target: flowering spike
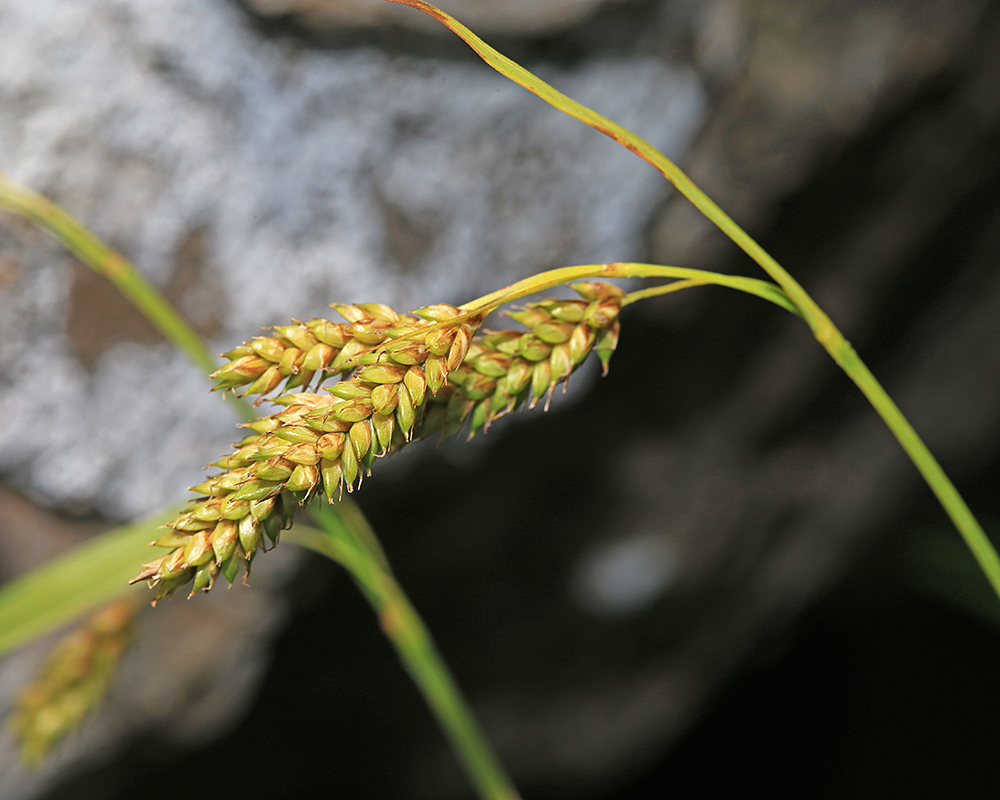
pixel 399 382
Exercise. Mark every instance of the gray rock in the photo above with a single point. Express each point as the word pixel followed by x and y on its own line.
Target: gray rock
pixel 260 181
pixel 255 180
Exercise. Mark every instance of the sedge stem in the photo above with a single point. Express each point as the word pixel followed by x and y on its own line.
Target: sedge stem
pixel 347 539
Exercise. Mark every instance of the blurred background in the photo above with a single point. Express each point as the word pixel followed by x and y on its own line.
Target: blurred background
pixel 712 573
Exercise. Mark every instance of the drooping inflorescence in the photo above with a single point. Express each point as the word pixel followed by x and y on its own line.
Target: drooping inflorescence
pixel 405 377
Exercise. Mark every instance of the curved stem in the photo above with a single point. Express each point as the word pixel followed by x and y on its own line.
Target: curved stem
pixel 822 327
pixel 627 269
pixel 656 291
pixel 952 502
pixel 352 544
pixel 69 232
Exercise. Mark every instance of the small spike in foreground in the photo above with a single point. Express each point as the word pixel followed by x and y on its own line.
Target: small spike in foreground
pixel 75 677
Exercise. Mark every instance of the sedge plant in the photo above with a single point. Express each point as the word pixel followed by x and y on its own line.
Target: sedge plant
pixel 349 392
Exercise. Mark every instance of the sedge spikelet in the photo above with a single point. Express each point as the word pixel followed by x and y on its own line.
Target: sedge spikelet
pixel 73 681
pixel 302 351
pixel 507 369
pixel 409 376
pixel 316 444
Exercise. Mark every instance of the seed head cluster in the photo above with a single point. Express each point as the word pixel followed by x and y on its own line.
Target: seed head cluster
pixel 405 377
pixel 73 680
pixel 505 369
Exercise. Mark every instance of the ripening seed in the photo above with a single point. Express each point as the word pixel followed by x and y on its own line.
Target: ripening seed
pixel 407 351
pixel 329 445
pixel 349 464
pixel 334 334
pixel 198 550
pixel 235 509
pixel 439 312
pixel 299 335
pixel 439 341
pixel 245 367
pixel 492 365
pixel 383 425
pixel 459 348
pixel 553 332
pixel 567 310
pixel 230 567
pixel 350 390
pixel 541 381
pixel 232 479
pixel 249 536
pixel 435 372
pixel 382 373
pixel 208 512
pixel 168 584
pixel 204 577
pixel 533 348
pixel 333 474
pixel 257 490
pixel 173 565
pixel 268 347
pixel 304 478
pixel 385 396
pixel 562 361
pixel 188 523
pixel 172 539
pixel 302 453
pixel 271 445
pixel 361 438
pixel 291 361
pixel 517 378
pixel 415 382
pixel 275 469
pixel 352 410
pixel 225 535
pixel 529 317
pixel 369 332
pixel 318 357
pixel 297 434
